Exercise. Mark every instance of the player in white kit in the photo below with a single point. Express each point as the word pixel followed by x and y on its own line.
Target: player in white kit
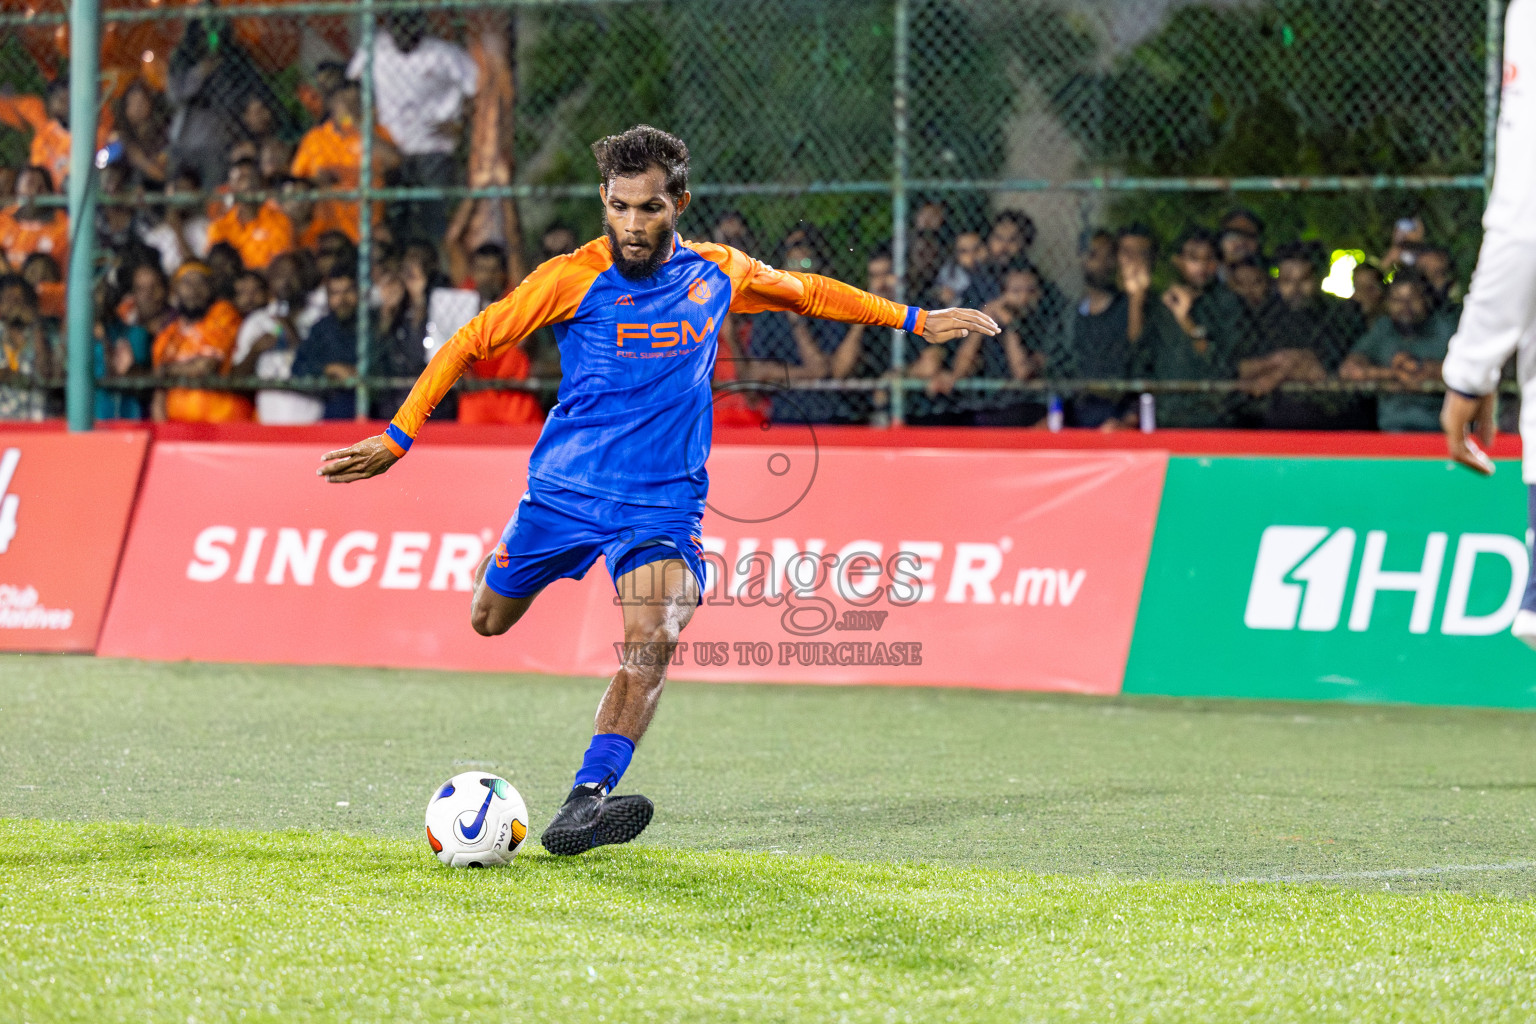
pixel 1500 313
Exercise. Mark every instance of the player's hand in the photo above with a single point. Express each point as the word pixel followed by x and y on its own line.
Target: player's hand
pixel 948 324
pixel 369 457
pixel 1467 421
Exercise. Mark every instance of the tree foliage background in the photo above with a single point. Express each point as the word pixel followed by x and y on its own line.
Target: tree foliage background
pixel 800 92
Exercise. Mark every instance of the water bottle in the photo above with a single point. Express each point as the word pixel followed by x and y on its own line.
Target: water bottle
pixel 1053 414
pixel 109 154
pixel 1147 413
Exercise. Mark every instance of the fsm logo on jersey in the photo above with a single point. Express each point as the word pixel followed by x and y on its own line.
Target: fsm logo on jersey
pixel 1302 576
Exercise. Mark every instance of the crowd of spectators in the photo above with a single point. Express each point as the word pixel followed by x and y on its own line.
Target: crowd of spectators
pixel 1228 309
pixel 261 281
pixel 218 259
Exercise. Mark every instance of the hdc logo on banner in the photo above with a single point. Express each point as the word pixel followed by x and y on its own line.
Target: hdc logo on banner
pixel 1016 570
pixel 1381 580
pixel 64 505
pixel 1303 572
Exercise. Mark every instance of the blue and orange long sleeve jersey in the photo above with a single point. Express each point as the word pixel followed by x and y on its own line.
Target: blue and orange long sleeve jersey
pixel 633 420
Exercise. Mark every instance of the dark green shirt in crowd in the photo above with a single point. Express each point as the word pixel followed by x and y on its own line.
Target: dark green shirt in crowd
pixel 1221 313
pixel 1328 329
pixel 1101 350
pixel 1382 342
pixel 1177 356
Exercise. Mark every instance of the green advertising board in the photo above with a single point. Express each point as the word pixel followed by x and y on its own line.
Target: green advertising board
pixel 1338 579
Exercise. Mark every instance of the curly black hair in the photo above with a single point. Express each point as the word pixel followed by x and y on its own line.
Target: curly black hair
pixel 637 150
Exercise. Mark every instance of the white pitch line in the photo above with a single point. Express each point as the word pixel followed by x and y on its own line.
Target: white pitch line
pixel 1344 876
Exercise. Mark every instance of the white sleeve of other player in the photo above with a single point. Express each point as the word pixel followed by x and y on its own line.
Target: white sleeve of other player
pixel 1501 304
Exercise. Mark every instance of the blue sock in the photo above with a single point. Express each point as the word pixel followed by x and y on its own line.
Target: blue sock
pixel 607 758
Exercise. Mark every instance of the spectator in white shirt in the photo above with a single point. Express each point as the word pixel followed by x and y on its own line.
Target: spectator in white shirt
pixel 181 232
pixel 269 338
pixel 420 84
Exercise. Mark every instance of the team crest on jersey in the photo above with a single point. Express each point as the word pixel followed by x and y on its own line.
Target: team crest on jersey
pixel 700 291
pixel 625 300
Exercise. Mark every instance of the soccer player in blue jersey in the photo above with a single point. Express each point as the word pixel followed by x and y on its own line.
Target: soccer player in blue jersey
pixel 618 470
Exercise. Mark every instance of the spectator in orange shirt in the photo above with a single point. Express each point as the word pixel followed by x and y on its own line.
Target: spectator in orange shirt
pixel 26 228
pixel 331 156
pixel 489 277
pixel 48 121
pixel 258 230
pixel 199 344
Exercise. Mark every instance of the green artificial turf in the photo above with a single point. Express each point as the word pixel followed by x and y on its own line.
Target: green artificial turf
pixel 135 923
pixel 818 853
pixel 1136 786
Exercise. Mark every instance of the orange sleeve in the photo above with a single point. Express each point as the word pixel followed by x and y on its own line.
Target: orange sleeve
pixel 50 150
pixel 58 232
pixel 218 230
pixel 757 287
pixel 282 236
pixel 222 330
pixel 549 295
pixel 163 342
pixel 305 162
pixel 51 299
pixel 26 113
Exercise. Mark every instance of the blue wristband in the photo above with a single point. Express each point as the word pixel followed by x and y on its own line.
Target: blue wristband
pixel 910 323
pixel 399 436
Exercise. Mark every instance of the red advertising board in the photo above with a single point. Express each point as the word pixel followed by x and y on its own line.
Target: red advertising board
pixel 64 506
pixel 1005 569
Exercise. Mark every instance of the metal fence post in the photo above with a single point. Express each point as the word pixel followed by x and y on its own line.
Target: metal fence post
pixel 899 175
pixel 84 85
pixel 1494 85
pixel 365 218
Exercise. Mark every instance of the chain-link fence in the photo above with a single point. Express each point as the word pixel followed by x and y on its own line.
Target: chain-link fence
pixel 1121 183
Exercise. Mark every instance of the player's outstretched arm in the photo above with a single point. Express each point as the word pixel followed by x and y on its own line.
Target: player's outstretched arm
pixel 548 295
pixel 761 287
pixel 369 457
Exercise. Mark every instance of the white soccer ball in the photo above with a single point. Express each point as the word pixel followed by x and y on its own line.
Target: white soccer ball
pixel 476 820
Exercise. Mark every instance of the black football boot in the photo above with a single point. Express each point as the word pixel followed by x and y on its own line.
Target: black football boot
pixel 588 819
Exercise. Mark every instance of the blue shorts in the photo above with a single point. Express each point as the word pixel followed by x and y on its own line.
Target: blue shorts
pixel 558 533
